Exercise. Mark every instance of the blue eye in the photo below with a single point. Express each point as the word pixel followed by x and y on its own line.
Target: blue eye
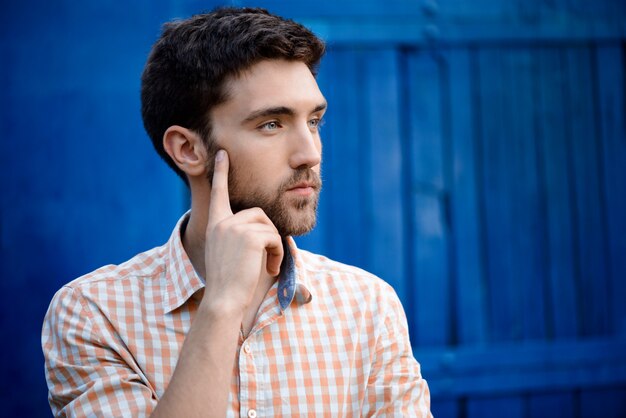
pixel 270 126
pixel 316 123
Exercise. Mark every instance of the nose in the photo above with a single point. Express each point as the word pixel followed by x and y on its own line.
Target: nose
pixel 306 148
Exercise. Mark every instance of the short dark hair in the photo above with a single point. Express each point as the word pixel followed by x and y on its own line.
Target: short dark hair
pixel 185 75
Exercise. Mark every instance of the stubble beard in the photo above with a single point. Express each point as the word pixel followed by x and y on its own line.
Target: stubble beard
pixel 291 215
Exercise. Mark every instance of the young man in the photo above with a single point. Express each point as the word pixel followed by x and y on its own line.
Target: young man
pixel 229 318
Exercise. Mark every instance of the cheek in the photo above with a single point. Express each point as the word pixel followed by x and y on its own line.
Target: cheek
pixel 244 174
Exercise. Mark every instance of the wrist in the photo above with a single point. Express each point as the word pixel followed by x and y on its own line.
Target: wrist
pixel 220 309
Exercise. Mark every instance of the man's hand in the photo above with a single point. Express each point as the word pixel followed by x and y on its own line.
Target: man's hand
pixel 239 248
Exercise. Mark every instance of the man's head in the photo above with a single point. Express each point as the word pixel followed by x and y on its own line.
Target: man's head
pixel 187 71
pixel 242 80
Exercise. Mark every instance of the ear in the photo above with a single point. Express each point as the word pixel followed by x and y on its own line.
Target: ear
pixel 186 149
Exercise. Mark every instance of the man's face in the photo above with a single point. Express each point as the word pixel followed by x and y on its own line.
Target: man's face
pixel 270 128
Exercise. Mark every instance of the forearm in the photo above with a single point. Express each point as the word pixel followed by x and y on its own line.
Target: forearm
pixel 200 384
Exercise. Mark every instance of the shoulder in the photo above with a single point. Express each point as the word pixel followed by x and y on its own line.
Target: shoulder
pixel 114 284
pixel 147 264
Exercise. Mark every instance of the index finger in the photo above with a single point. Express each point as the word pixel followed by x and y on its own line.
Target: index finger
pixel 219 206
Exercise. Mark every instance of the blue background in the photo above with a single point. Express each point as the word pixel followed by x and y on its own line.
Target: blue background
pixel 475 158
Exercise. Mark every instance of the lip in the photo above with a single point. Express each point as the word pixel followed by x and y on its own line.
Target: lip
pixel 303 189
pixel 302 185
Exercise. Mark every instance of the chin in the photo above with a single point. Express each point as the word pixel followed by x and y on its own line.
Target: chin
pixel 297 225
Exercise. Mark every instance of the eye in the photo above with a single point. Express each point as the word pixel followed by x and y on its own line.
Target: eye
pixel 316 123
pixel 269 126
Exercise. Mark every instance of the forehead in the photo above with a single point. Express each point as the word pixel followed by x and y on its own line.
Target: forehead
pixel 274 83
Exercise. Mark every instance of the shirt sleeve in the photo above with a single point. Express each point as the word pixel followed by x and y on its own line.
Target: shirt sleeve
pixel 395 386
pixel 87 373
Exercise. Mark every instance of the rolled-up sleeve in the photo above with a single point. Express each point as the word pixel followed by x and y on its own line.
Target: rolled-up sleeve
pixel 395 387
pixel 87 373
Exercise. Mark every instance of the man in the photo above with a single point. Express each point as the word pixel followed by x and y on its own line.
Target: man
pixel 229 318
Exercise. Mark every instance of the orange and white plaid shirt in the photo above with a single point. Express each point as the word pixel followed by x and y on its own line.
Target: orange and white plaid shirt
pixel 335 344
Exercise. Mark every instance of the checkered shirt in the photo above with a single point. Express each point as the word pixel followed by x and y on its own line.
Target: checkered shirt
pixel 329 340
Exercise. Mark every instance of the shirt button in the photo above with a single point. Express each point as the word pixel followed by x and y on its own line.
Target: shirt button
pixel 248 350
pixel 251 413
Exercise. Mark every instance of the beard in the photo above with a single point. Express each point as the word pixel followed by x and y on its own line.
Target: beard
pixel 291 215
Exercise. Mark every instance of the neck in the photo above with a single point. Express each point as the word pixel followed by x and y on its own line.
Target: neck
pixel 194 238
pixel 194 242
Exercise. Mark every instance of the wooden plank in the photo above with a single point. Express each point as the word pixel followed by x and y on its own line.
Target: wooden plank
pixel 401 21
pixel 528 227
pixel 553 131
pixel 496 407
pixel 345 9
pixel 511 367
pixel 505 305
pixel 551 405
pixel 479 9
pixel 465 132
pixel 425 101
pixel 429 253
pixel 589 195
pixel 348 150
pixel 445 407
pixel 90 190
pixel 596 10
pixel 605 402
pixel 385 219
pixel 610 66
pixel 484 11
pixel 422 32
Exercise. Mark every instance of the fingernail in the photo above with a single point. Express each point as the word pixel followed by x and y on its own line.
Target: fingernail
pixel 220 155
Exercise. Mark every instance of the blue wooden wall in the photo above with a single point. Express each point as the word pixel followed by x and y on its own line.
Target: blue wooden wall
pixel 474 157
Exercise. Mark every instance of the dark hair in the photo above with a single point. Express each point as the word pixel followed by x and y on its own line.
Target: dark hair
pixel 185 75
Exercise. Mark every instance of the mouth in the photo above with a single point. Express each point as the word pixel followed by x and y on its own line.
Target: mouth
pixel 303 188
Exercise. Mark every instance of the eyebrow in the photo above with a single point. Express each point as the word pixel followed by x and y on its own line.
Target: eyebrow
pixel 278 111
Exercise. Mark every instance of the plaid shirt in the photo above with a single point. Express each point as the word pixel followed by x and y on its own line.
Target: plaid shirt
pixel 335 343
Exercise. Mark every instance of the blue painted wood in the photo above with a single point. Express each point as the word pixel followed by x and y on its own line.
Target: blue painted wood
pixel 465 198
pixel 552 405
pixel 477 10
pixel 329 8
pixel 429 255
pixel 589 201
pixel 381 32
pixel 496 407
pixel 610 75
pixel 425 116
pixel 528 227
pixel 553 132
pixel 498 155
pixel 446 408
pixel 344 157
pixel 539 366
pixel 606 402
pixel 400 21
pixel 384 162
pixel 81 184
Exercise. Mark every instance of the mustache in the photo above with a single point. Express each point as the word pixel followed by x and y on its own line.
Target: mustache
pixel 302 175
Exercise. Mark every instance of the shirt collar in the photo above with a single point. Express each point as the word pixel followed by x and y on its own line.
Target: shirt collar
pixel 183 281
pixel 293 281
